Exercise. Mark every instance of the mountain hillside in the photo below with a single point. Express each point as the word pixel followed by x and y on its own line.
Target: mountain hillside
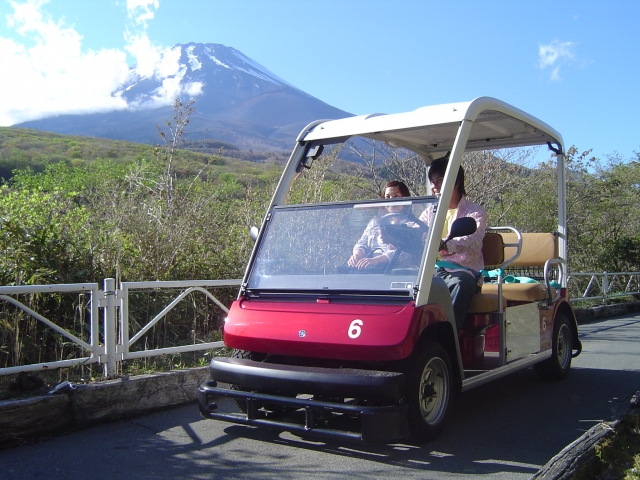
pixel 22 149
pixel 237 101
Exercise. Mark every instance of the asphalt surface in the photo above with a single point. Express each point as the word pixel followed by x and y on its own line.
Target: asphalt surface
pixel 507 429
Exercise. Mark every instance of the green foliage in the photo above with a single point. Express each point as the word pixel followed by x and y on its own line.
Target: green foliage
pixel 138 221
pixel 77 210
pixel 22 149
pixel 603 213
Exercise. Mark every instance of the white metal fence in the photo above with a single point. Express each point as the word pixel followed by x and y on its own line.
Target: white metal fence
pixel 93 347
pixel 114 322
pixel 603 285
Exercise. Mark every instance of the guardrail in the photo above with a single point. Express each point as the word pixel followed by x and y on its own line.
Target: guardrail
pixel 93 347
pixel 114 303
pixel 603 285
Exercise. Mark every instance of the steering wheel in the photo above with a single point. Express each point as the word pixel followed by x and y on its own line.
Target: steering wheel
pixel 395 229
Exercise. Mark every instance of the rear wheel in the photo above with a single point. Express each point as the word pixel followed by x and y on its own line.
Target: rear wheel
pixel 557 367
pixel 428 391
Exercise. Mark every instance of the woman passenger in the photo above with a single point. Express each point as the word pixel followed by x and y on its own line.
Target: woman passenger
pixel 370 250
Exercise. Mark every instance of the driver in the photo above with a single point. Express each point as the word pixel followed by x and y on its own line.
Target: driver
pixel 461 259
pixel 371 249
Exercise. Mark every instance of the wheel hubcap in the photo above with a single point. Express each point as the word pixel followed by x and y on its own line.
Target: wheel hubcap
pixel 434 391
pixel 563 347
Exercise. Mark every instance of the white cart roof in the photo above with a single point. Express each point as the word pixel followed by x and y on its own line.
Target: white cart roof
pixel 433 129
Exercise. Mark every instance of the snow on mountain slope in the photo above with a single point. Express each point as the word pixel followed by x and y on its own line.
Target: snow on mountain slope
pixel 237 100
pixel 196 68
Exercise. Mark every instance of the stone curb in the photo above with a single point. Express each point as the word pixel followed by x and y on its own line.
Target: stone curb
pixel 97 402
pixel 585 315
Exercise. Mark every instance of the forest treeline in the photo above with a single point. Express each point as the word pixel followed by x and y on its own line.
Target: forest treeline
pixel 135 213
pixel 134 220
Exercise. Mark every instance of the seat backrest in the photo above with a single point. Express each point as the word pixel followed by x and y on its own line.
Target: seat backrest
pixel 537 248
pixel 493 249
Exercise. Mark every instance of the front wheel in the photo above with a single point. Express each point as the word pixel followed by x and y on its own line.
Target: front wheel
pixel 428 391
pixel 247 355
pixel 242 404
pixel 557 367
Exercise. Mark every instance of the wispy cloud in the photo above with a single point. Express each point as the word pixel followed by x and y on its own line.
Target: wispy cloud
pixel 141 11
pixel 555 55
pixel 147 55
pixel 46 71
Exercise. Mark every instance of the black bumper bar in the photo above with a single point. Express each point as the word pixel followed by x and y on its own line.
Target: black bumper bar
pixel 383 387
pixel 314 417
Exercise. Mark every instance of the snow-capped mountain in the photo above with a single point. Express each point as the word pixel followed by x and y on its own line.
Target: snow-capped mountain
pixel 237 100
pixel 194 69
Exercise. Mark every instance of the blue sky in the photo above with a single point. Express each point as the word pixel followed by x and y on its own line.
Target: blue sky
pixel 574 64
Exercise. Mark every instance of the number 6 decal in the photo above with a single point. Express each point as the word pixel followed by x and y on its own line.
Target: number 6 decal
pixel 354 328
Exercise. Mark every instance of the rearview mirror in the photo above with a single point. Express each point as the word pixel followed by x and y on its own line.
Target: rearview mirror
pixel 460 228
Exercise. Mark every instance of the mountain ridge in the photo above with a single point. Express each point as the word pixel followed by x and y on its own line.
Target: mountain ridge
pixel 237 100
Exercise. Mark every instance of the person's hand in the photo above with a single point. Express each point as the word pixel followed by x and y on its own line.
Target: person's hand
pixel 355 258
pixel 369 262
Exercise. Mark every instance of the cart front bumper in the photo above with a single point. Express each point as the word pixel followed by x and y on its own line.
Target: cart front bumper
pixel 351 404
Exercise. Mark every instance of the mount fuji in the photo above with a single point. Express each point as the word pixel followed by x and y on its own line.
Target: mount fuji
pixel 237 101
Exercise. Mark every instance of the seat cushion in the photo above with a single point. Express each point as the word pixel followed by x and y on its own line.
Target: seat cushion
pixel 485 303
pixel 517 292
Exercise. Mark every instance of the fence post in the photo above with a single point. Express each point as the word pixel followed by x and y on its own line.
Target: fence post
pixel 605 288
pixel 110 326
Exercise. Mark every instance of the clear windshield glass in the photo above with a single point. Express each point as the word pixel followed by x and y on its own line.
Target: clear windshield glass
pixel 308 248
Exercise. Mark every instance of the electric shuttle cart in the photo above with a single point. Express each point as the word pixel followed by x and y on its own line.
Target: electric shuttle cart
pixel 375 355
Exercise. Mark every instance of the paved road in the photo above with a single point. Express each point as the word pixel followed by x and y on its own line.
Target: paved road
pixel 504 430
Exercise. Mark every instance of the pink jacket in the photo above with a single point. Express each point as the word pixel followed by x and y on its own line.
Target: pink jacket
pixel 465 251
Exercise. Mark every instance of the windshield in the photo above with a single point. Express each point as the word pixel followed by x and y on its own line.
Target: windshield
pixel 308 248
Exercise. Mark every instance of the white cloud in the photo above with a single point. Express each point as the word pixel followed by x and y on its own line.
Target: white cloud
pixel 53 74
pixel 46 71
pixel 154 61
pixel 194 89
pixel 146 54
pixel 556 55
pixel 141 11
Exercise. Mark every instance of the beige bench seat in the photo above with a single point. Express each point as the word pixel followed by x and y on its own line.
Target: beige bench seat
pixel 517 292
pixel 536 249
pixel 486 303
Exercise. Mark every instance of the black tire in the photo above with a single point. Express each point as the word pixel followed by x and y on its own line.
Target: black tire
pixel 245 354
pixel 242 404
pixel 429 382
pixel 557 367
